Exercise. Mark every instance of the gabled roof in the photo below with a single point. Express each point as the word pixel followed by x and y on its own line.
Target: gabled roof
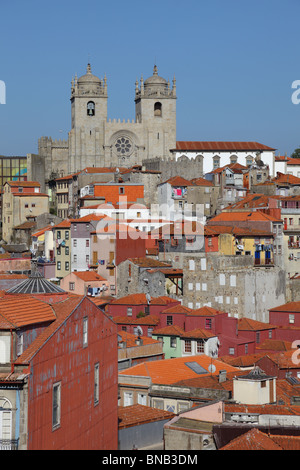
pixel 283 178
pixel 152 320
pixel 220 146
pixel 178 181
pixel 252 440
pixel 171 330
pixel 243 216
pixel 135 415
pixel 22 310
pixel 206 312
pixel 24 184
pixel 293 161
pixel 89 276
pixel 288 307
pixel 247 324
pixel 177 309
pixel 62 310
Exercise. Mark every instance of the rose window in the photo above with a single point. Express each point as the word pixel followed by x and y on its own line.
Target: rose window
pixel 123 146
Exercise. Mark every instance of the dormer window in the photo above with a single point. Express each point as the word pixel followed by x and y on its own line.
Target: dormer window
pixel 91 108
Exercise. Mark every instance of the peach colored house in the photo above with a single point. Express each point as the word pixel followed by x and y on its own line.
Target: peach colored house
pixel 85 283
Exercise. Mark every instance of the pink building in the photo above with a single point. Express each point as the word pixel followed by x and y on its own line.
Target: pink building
pixel 85 283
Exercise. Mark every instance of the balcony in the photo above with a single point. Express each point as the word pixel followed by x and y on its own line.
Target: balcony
pixel 9 444
pixel 293 244
pixel 263 262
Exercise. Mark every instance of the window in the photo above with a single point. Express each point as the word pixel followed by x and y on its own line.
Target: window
pixel 231 351
pixel 87 243
pixel 32 205
pixel 187 345
pixel 129 311
pixel 246 348
pixel 173 342
pixel 150 331
pixel 169 320
pixel 67 234
pixel 56 398
pixel 75 258
pixel 85 332
pixel 263 384
pixel 96 384
pixel 208 323
pixel 222 279
pixel 20 342
pixel 258 337
pixel 58 265
pixel 71 285
pixel 67 266
pixel 128 398
pixel 291 318
pixel 121 190
pixel 142 399
pixel 270 334
pixel 191 265
pixel 67 250
pixel 75 242
pixel 58 234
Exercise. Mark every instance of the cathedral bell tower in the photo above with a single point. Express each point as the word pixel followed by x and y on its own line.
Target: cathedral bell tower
pixel 155 109
pixel 88 118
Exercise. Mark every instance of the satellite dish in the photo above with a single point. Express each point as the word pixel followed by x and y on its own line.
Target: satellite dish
pixel 212 368
pixel 139 330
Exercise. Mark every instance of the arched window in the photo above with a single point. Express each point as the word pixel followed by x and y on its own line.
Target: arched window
pixel 249 160
pixel 158 109
pixel 5 423
pixel 216 160
pixel 91 108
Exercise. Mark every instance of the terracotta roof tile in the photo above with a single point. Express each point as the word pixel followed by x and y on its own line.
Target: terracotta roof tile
pixel 242 216
pixel 177 309
pixel 169 371
pixel 247 324
pixel 139 414
pixel 252 440
pixel 62 311
pixel 288 307
pixel 23 310
pixel 89 276
pixel 220 146
pixel 147 320
pixel 171 330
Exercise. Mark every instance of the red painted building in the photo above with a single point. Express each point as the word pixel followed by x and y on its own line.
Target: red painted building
pixel 66 377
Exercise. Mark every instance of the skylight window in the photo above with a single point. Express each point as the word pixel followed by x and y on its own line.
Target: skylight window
pixel 196 367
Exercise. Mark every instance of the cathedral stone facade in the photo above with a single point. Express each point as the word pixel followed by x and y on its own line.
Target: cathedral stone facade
pixel 95 140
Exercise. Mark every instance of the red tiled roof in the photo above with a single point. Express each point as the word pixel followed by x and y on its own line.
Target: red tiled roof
pixel 247 324
pixel 130 339
pixel 25 184
pixel 201 182
pixel 275 345
pixel 242 216
pixel 198 333
pixel 171 330
pixel 283 178
pixel 132 299
pixel 293 161
pixel 62 311
pixel 220 146
pixel 147 320
pixel 206 311
pixel 89 276
pixel 177 309
pixel 169 371
pixel 288 307
pixel 149 263
pixel 252 440
pixel 179 181
pixel 24 310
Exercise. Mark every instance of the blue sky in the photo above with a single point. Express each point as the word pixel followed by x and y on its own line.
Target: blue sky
pixel 234 62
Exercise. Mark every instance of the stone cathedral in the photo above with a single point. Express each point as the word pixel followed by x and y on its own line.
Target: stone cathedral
pixel 95 140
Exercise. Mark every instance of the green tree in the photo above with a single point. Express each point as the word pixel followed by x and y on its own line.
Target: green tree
pixel 296 153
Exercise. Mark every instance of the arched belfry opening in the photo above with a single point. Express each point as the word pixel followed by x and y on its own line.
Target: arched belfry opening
pixel 158 109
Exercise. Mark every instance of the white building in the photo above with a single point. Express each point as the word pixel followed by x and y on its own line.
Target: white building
pixel 219 154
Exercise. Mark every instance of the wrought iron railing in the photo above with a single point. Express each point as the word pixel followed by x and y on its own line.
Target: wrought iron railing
pixel 9 444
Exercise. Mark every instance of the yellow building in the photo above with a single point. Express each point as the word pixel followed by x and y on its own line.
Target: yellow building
pixel 62 248
pixel 245 241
